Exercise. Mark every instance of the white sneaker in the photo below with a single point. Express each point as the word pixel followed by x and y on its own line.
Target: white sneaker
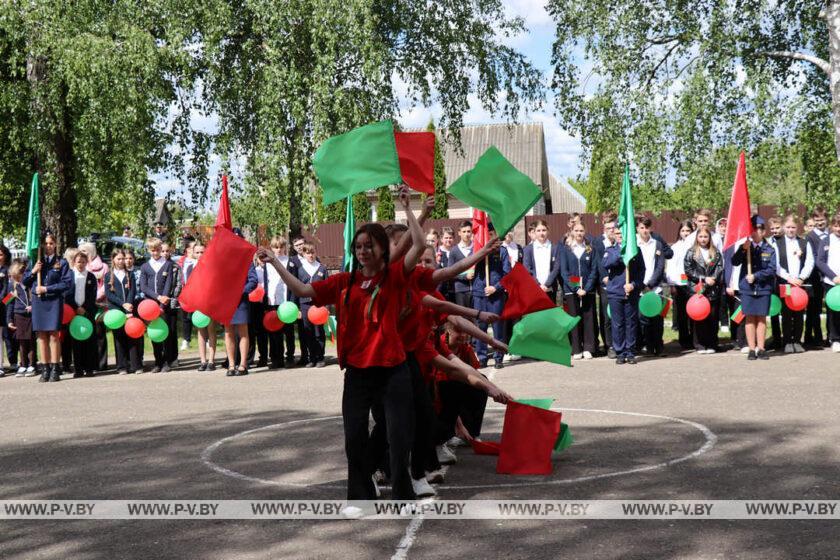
pixel 445 455
pixel 30 372
pixel 835 347
pixel 455 441
pixel 515 357
pixel 21 370
pixel 422 488
pixel 184 345
pixel 352 512
pixel 435 477
pixel 745 350
pixel 710 350
pixel 577 356
pixel 587 355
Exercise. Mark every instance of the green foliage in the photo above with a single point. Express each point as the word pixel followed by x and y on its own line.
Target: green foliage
pixel 385 210
pixel 820 172
pixel 441 210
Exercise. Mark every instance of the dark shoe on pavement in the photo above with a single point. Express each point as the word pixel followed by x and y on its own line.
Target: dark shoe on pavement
pixel 202 367
pixel 632 360
pixel 620 360
pixel 231 373
pixel 309 365
pixel 301 362
pixel 751 356
pixel 165 368
pixel 262 363
pixel 498 365
pixel 290 362
pixel 211 366
pixel 320 364
pixel 156 369
pixel 56 373
pixel 611 354
pixel 762 355
pixel 241 371
pixel 46 371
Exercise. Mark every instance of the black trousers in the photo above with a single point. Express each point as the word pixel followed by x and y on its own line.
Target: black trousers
pixel 737 333
pixel 127 351
pixel 681 319
pixel 257 335
pixel 365 389
pixel 186 324
pixel 651 330
pixel 464 299
pixel 776 330
pixel 793 323
pixel 459 400
pixel 813 322
pixel 100 333
pixel 85 357
pixel 583 336
pixel 423 454
pixel 166 352
pixel 313 336
pixel 832 324
pixel 705 332
pixel 277 340
pixel 304 350
pixel 604 320
pixel 12 344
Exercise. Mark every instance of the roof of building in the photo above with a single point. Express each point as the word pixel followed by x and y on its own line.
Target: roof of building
pixel 564 197
pixel 161 212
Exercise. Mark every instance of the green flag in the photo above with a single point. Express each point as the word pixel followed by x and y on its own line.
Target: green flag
pixel 349 232
pixel 627 220
pixel 544 335
pixel 364 158
pixel 33 222
pixel 498 188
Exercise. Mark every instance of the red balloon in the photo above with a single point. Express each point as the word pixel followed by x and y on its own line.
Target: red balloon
pixel 272 322
pixel 257 294
pixel 67 314
pixel 148 310
pixel 318 315
pixel 797 300
pixel 698 307
pixel 134 327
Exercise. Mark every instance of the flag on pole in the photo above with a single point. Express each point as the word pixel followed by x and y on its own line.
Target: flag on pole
pixel 738 316
pixel 223 218
pixel 683 279
pixel 33 222
pixel 9 297
pixel 784 290
pixel 349 232
pixel 627 221
pixel 498 188
pixel 364 158
pixel 738 224
pixel 480 229
pixel 416 152
pixel 666 308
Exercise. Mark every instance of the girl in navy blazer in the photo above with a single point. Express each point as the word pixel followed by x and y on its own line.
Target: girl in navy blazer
pixel 828 261
pixel 579 276
pixel 237 330
pixel 48 291
pixel 19 319
pixel 121 293
pixel 82 298
pixel 311 270
pixel 157 282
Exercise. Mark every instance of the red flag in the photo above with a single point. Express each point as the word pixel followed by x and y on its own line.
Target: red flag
pixel 223 215
pixel 666 308
pixel 215 286
pixel 481 231
pixel 416 151
pixel 528 438
pixel 485 447
pixel 738 224
pixel 524 294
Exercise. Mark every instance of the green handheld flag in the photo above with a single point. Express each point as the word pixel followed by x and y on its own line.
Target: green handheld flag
pixel 498 188
pixel 33 222
pixel 627 221
pixel 544 335
pixel 349 232
pixel 364 158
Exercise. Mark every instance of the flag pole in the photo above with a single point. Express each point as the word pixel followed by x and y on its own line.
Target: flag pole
pixel 626 279
pixel 749 257
pixel 39 260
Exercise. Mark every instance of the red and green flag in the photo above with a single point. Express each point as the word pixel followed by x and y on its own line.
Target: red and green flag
pixel 544 335
pixel 574 281
pixel 683 279
pixel 784 290
pixel 524 294
pixel 33 222
pixel 9 297
pixel 738 316
pixel 495 186
pixel 666 308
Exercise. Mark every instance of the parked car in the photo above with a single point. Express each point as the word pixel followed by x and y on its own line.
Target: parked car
pixel 104 246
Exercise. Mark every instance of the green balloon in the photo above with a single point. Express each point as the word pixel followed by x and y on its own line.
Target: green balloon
pixel 158 330
pixel 288 312
pixel 114 319
pixel 199 320
pixel 775 305
pixel 81 328
pixel 650 304
pixel 609 311
pixel 832 298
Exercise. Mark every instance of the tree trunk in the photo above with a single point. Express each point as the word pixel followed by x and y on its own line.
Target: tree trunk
pixel 832 18
pixel 60 204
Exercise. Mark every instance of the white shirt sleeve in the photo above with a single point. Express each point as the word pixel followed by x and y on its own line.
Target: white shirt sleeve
pixel 809 262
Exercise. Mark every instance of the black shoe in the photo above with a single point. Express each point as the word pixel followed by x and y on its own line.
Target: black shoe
pixel 276 365
pixel 620 360
pixel 165 368
pixel 498 365
pixel 175 363
pixel 611 354
pixel 320 364
pixel 77 374
pixel 302 362
pixel 56 373
pixel 241 371
pixel 762 355
pixel 211 366
pixel 231 373
pixel 309 365
pixel 751 356
pixel 290 362
pixel 482 364
pixel 156 369
pixel 262 363
pixel 46 371
pixel 631 360
pixel 202 367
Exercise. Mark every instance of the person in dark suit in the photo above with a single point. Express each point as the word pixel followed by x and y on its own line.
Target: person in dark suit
pixel 623 297
pixel 49 279
pixel 311 270
pixel 514 249
pixel 813 322
pixel 447 240
pixel 489 296
pixel 157 282
pixel 794 264
pixel 579 273
pixel 293 267
pixel 542 260
pixel 654 254
pixel 82 298
pixel 828 261
pixel 600 245
pixel 462 285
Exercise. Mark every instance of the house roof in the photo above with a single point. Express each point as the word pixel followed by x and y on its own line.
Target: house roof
pixel 564 197
pixel 161 213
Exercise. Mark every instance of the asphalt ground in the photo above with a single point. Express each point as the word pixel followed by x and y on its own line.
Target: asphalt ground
pixel 143 436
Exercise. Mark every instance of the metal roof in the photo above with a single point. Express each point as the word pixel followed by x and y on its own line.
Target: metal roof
pixel 564 197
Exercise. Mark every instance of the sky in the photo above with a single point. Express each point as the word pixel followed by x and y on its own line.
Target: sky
pixel 562 150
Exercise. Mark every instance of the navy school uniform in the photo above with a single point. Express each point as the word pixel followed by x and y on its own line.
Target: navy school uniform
pixel 498 266
pixel 461 286
pixel 256 331
pixel 285 337
pixel 755 297
pixel 313 334
pixel 583 336
pixel 651 329
pixel 446 289
pixel 117 293
pixel 153 285
pixel 241 315
pixel 85 357
pixel 8 335
pixel 604 321
pixel 530 264
pixel 697 269
pixel 826 258
pixel 21 318
pixel 813 321
pixel 793 322
pixel 293 267
pixel 624 308
pixel 47 308
pixel 775 321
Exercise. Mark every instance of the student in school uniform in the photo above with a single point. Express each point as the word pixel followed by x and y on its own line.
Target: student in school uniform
pixel 311 270
pixel 19 319
pixel 447 240
pixel 489 296
pixel 813 321
pixel 601 243
pixel 5 287
pixel 774 226
pixel 236 332
pixel 828 261
pixel 281 342
pixel 794 264
pixel 187 265
pixel 703 265
pixel 756 288
pixel 654 254
pixel 99 269
pixel 462 285
pixel 49 280
pixel 171 315
pixel 82 298
pixel 158 282
pixel 294 266
pixel 137 343
pixel 256 331
pixel 542 260
pixel 121 293
pixel 579 276
pixel 206 336
pixel 515 253
pixel 731 292
pixel 674 271
pixel 369 301
pixel 623 298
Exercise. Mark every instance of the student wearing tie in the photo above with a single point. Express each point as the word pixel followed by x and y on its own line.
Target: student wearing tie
pixel 828 261
pixel 794 264
pixel 579 276
pixel 541 260
pixel 653 253
pixel 158 282
pixel 756 286
pixel 623 297
pixel 83 301
pixel 813 322
pixel 293 267
pixel 462 285
pixel 600 244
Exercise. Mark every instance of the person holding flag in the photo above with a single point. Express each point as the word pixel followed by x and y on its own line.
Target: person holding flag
pixel 579 276
pixel 488 297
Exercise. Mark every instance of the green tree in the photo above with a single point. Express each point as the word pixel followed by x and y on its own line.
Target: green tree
pixel 385 209
pixel 441 210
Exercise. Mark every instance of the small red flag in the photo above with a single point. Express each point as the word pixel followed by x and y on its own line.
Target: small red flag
pixel 9 297
pixel 524 294
pixel 784 290
pixel 215 286
pixel 738 224
pixel 480 228
pixel 485 447
pixel 223 218
pixel 528 438
pixel 666 308
pixel 416 151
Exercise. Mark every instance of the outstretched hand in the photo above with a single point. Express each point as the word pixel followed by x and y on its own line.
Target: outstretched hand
pixel 264 256
pixel 405 197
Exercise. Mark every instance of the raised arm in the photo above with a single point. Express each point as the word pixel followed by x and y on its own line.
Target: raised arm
pixel 417 240
pixel 444 274
pixel 407 240
pixel 443 306
pixel 292 282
